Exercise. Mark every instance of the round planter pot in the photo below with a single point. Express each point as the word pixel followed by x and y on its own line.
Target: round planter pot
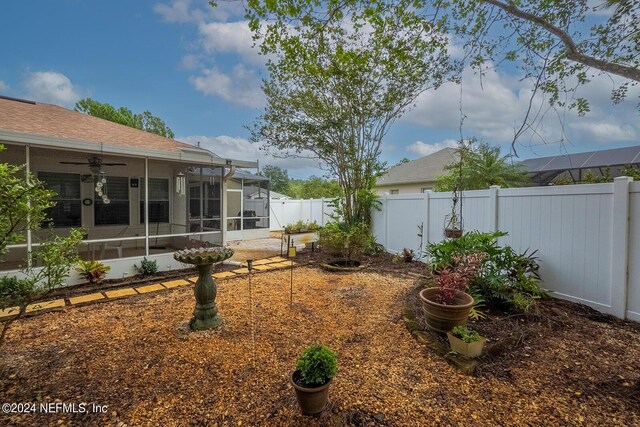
pixel 452 233
pixel 444 317
pixel 311 400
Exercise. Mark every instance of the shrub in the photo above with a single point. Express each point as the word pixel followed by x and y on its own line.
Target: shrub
pixel 465 334
pixel 93 271
pixel 317 365
pixel 349 241
pixel 301 227
pixel 457 277
pixel 147 268
pixel 505 278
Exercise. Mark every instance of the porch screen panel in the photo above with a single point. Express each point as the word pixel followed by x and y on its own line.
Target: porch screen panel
pixel 158 200
pixel 255 212
pixel 67 211
pixel 117 211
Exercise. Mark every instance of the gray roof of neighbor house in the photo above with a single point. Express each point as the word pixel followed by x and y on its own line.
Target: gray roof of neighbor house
pixel 424 169
pixel 544 169
pixel 47 125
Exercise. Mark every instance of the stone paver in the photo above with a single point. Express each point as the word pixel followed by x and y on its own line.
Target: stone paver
pixel 84 299
pixel 150 288
pixel 44 306
pixel 179 282
pixel 121 293
pixel 277 259
pixel 241 271
pixel 282 264
pixel 263 261
pixel 223 274
pixel 9 312
pixel 265 267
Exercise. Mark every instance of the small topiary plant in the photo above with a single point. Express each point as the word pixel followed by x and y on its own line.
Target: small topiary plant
pixel 465 334
pixel 317 365
pixel 147 268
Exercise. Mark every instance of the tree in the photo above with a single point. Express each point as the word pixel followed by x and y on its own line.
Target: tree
pixel 314 188
pixel 557 45
pixel 481 166
pixel 23 204
pixel 336 85
pixel 145 121
pixel 279 178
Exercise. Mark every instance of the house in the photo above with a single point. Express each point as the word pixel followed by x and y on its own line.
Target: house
pixel 416 176
pixel 575 168
pixel 135 193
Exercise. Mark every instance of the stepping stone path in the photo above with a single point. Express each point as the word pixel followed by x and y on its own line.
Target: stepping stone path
pixel 267 264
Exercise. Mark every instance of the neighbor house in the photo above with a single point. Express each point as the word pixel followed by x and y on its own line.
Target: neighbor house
pixel 135 193
pixel 416 176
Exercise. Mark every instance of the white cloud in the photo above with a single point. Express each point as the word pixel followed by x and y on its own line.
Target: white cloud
pixel 3 86
pixel 230 37
pixel 181 11
pixel 423 149
pixel 191 62
pixel 240 148
pixel 242 87
pixel 604 131
pixel 51 87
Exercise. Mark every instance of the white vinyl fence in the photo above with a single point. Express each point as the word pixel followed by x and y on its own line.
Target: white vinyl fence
pixel 285 212
pixel 587 236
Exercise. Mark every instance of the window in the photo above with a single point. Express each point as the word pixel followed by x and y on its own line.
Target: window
pixel 158 200
pixel 116 212
pixel 425 189
pixel 255 210
pixel 67 211
pixel 394 192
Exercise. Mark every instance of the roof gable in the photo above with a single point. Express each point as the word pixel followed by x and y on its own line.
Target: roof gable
pixel 424 169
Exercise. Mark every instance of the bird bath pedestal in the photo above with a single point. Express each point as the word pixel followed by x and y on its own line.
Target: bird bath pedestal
pixel 205 315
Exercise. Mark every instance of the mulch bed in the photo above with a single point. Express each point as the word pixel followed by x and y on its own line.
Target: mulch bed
pixel 136 356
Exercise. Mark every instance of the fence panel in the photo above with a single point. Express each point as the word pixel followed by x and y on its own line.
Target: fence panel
pixel 633 296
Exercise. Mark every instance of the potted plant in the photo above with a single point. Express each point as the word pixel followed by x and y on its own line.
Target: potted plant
pixel 466 342
pixel 447 305
pixel 453 226
pixel 314 372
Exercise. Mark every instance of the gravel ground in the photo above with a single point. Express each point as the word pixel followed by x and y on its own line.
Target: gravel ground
pixel 137 357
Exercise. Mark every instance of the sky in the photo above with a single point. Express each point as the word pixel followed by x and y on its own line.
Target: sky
pixel 195 67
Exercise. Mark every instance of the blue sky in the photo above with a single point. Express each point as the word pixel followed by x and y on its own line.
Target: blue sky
pixel 194 66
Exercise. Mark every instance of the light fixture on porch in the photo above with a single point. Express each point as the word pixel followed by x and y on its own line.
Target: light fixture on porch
pixel 181 183
pixel 101 187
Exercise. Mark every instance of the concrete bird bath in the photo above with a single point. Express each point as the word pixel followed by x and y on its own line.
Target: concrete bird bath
pixel 205 315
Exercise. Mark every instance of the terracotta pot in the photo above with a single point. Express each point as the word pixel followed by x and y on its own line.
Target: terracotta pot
pixel 467 349
pixel 311 400
pixel 444 317
pixel 452 233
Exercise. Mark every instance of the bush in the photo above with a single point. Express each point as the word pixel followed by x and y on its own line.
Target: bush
pixel 349 241
pixel 317 365
pixel 14 291
pixel 301 227
pixel 505 279
pixel 147 268
pixel 93 271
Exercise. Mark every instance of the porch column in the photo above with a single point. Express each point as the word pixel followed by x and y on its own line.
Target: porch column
pixel 28 181
pixel 223 207
pixel 146 206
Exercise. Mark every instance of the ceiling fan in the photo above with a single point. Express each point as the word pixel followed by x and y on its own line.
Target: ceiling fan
pixel 95 164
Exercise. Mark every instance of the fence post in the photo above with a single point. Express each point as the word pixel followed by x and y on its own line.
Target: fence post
pixel 425 225
pixel 493 208
pixel 620 246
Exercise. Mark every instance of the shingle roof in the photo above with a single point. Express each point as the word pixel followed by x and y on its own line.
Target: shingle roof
pixel 36 118
pixel 424 169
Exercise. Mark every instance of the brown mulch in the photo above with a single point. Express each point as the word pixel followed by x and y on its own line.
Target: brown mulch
pixel 137 357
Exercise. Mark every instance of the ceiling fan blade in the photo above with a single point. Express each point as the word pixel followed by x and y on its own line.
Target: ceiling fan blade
pixel 114 164
pixel 74 163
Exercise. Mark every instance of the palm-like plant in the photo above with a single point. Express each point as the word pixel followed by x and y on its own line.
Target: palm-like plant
pixel 482 167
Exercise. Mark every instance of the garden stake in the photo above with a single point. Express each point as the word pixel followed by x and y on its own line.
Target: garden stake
pixel 253 329
pixel 291 285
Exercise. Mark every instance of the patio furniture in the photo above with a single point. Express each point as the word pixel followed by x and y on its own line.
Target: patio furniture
pixel 117 246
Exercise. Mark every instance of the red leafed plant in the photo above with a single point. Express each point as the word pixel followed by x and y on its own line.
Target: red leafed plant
pixel 456 278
